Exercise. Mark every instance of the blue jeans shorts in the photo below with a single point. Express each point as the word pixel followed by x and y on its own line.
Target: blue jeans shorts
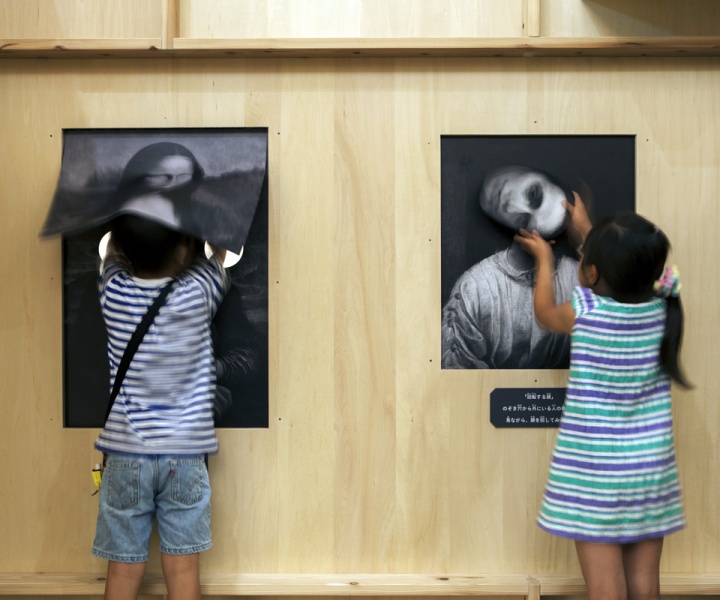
pixel 137 489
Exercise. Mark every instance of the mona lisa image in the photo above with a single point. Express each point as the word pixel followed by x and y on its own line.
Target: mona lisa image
pixel 209 183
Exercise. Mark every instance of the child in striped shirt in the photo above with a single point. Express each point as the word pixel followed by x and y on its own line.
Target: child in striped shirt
pixel 613 484
pixel 160 428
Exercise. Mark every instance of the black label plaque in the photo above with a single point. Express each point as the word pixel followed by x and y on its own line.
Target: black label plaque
pixel 523 407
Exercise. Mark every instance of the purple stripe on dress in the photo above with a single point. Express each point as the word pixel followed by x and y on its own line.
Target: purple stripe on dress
pixel 612 467
pixel 661 389
pixel 627 326
pixel 587 296
pixel 622 361
pixel 621 431
pixel 583 300
pixel 620 538
pixel 604 504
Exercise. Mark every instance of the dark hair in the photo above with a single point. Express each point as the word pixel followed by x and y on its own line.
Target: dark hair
pixel 147 244
pixel 629 253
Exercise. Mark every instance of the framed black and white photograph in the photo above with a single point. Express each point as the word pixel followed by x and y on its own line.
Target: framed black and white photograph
pixel 491 186
pixel 209 183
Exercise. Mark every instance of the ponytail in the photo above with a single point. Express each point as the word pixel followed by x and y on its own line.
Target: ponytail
pixel 672 341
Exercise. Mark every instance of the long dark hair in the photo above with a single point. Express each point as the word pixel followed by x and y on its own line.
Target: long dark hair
pixel 629 253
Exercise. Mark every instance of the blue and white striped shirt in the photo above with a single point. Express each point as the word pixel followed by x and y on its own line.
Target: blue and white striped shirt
pixel 165 401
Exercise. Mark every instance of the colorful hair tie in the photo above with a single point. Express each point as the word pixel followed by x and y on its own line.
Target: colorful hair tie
pixel 669 283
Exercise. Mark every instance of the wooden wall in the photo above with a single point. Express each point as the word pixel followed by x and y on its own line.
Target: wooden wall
pixel 375 460
pixel 37 19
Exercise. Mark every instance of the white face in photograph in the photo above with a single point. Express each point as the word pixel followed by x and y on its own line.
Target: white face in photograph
pixel 154 206
pixel 519 197
pixel 169 172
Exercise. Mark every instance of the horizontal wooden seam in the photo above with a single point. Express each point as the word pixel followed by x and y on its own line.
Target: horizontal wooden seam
pixel 669 46
pixel 348 584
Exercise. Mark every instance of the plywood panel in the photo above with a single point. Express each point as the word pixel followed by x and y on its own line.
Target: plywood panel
pixel 364 319
pixel 425 484
pixel 304 208
pixel 261 19
pixel 80 19
pixel 350 18
pixel 375 460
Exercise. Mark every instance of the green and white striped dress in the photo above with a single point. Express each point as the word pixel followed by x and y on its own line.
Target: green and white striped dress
pixel 613 476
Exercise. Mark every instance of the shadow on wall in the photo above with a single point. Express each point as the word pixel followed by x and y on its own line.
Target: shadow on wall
pixel 655 17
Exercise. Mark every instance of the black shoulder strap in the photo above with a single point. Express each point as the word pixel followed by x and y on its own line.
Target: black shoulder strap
pixel 134 343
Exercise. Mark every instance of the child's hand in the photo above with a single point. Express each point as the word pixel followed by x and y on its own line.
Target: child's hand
pixel 113 253
pixel 219 252
pixel 535 245
pixel 579 225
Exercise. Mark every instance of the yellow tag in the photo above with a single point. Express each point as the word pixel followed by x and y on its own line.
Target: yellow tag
pixel 97 478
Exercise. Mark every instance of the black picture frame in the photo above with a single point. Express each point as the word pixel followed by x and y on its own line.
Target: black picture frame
pixel 233 156
pixel 599 167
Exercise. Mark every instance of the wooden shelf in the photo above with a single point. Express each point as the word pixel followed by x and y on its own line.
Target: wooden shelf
pixel 671 584
pixel 63 48
pixel 377 585
pixel 46 584
pixel 527 47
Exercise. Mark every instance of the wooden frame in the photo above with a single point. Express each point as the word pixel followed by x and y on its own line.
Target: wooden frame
pixel 534 47
pixel 428 503
pixel 170 44
pixel 531 587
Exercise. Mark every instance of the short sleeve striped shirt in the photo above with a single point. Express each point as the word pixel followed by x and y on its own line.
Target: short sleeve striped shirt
pixel 165 401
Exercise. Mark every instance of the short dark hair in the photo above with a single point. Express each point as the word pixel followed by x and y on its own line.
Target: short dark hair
pixel 147 244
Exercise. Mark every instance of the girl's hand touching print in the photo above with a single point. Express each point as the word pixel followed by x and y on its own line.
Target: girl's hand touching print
pixel 554 317
pixel 579 223
pixel 535 245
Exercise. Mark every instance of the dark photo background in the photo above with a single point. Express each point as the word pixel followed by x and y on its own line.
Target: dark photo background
pixel 240 328
pixel 489 322
pixel 601 168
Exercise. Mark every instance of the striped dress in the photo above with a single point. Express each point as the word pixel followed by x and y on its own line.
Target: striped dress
pixel 613 476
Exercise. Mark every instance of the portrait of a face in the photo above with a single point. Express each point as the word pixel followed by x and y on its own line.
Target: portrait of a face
pixel 521 197
pixel 155 169
pixel 491 187
pixel 169 172
pixel 210 184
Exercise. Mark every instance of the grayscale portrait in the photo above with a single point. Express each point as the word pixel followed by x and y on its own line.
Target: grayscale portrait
pixel 209 183
pixel 491 186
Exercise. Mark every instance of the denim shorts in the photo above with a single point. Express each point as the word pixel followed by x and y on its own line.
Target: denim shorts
pixel 137 489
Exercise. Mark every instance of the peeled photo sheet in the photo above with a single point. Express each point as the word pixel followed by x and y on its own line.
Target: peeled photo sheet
pixel 209 183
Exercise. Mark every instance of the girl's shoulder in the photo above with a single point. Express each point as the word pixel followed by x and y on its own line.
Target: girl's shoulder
pixel 584 300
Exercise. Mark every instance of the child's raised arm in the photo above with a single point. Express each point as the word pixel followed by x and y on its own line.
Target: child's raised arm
pixel 555 317
pixel 113 253
pixel 219 252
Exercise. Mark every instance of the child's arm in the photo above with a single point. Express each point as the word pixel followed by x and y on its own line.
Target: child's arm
pixel 113 254
pixel 555 317
pixel 219 252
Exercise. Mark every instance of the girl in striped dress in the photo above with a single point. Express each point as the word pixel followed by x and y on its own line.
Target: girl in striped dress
pixel 613 484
